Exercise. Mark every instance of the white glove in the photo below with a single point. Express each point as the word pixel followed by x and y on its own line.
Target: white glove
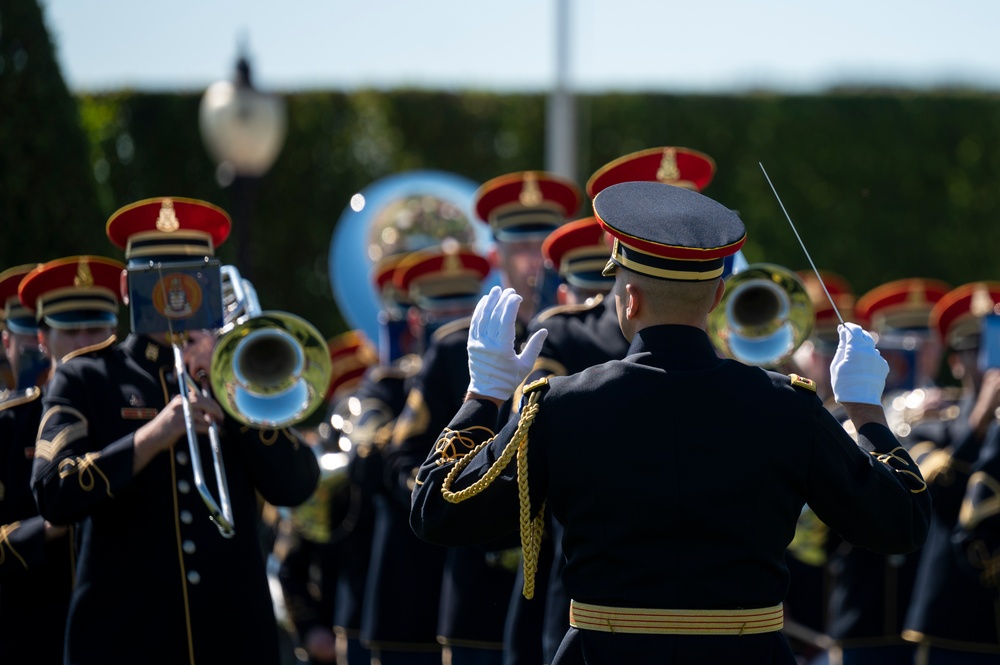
pixel 858 370
pixel 495 369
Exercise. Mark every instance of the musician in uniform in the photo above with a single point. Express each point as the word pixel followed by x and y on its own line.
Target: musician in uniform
pixel 953 615
pixel 401 604
pixel 870 592
pixel 325 541
pixel 28 365
pixel 522 209
pixel 74 304
pixel 674 552
pixel 112 456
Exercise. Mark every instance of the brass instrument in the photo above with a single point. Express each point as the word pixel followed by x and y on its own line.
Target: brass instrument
pixel 764 316
pixel 221 512
pixel 268 369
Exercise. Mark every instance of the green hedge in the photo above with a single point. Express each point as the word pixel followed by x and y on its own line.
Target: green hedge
pixel 880 185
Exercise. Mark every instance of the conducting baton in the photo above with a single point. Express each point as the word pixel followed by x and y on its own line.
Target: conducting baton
pixel 803 245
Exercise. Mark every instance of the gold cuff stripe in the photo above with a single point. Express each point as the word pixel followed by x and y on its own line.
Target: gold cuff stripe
pixel 5 531
pixel 675 622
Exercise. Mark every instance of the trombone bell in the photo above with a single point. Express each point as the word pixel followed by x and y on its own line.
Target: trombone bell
pixel 272 370
pixel 764 316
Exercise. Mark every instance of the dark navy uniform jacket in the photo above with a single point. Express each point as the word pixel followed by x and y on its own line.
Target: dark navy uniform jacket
pixel 476 580
pixel 36 577
pixel 156 581
pixel 579 336
pixel 380 396
pixel 392 604
pixel 952 607
pixel 977 538
pixel 678 478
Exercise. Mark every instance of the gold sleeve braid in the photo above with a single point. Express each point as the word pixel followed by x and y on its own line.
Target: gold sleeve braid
pixel 896 463
pixel 531 529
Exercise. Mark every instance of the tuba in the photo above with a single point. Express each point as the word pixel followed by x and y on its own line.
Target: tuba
pixel 397 214
pixel 764 316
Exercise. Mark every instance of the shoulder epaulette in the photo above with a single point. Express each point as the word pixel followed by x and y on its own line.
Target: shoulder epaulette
pixel 802 382
pixel 537 384
pixel 90 349
pixel 452 326
pixel 9 399
pixel 556 310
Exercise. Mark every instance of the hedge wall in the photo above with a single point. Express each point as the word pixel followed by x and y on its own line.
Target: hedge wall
pixel 880 185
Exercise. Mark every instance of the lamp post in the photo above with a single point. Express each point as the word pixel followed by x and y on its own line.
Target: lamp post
pixel 243 129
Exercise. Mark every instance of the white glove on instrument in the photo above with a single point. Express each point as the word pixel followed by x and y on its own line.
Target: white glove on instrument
pixel 495 369
pixel 858 370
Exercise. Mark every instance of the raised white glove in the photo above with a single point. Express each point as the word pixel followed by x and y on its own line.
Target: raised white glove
pixel 858 370
pixel 495 369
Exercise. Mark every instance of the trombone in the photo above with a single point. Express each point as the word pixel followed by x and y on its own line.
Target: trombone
pixel 268 369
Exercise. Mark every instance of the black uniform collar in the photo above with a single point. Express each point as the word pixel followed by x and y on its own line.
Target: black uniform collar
pixel 674 346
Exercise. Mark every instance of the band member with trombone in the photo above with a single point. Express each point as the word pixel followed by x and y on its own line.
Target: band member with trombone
pixel 73 302
pixel 163 575
pixel 723 455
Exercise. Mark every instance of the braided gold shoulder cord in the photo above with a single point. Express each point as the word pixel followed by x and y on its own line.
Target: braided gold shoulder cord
pixel 531 529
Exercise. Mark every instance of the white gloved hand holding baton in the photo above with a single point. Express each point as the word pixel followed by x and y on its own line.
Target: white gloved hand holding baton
pixel 858 370
pixel 495 368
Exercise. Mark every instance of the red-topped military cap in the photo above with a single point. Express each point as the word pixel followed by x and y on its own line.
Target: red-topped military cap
pixel 436 278
pixel 680 167
pixel 826 320
pixel 579 251
pixel 382 273
pixel 74 292
pixel 667 232
pixel 168 226
pixel 527 204
pixel 18 319
pixel 957 316
pixel 351 354
pixel 902 304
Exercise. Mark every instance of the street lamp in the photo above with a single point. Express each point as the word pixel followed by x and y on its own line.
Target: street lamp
pixel 243 129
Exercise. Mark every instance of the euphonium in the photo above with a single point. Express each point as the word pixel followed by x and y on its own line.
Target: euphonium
pixel 764 316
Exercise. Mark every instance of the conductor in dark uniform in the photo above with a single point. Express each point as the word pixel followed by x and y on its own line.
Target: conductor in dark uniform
pixel 70 303
pixel 677 476
pixel 157 580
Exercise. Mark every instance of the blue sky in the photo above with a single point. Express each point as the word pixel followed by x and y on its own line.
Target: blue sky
pixel 714 46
